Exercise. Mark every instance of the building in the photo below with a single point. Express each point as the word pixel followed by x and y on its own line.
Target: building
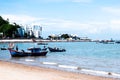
pixel 37 30
pixel 33 30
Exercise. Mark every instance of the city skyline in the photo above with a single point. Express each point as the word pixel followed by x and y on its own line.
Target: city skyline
pixel 95 19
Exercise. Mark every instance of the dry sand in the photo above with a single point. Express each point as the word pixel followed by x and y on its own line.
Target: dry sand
pixel 13 71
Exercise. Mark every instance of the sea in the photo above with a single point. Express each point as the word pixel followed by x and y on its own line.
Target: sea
pixel 80 57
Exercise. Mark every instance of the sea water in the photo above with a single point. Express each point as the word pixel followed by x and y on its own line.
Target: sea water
pixel 81 57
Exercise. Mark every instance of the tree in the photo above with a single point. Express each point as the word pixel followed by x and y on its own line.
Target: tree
pixel 65 36
pixel 6 28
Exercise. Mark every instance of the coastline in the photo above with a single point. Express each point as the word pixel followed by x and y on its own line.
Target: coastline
pixel 37 40
pixel 15 71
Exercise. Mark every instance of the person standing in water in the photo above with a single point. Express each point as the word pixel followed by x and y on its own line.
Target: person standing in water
pixel 17 48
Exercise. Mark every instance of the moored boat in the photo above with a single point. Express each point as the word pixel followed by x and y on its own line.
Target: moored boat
pixel 118 42
pixel 56 49
pixel 42 43
pixel 3 48
pixel 33 52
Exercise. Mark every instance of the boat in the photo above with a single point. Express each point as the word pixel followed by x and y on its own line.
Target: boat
pixel 3 48
pixel 39 43
pixel 42 43
pixel 56 49
pixel 32 52
pixel 118 42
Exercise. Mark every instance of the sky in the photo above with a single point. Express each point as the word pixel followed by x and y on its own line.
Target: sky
pixel 95 19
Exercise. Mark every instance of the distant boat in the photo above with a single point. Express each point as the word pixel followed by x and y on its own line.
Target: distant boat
pixel 3 48
pixel 42 43
pixel 22 53
pixel 39 43
pixel 107 42
pixel 56 49
pixel 118 42
pixel 33 40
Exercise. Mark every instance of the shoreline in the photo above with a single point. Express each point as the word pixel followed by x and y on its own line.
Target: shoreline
pixel 17 71
pixel 37 40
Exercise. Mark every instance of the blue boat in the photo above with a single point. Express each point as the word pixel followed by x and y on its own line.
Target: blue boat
pixel 32 52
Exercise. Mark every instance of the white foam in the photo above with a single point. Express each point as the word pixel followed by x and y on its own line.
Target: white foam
pixel 29 60
pixel 66 66
pixel 93 71
pixel 114 74
pixel 101 73
pixel 49 63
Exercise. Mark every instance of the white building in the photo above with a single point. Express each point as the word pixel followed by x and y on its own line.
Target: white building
pixel 35 30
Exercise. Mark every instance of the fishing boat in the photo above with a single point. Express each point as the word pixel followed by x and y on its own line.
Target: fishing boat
pixel 118 42
pixel 42 43
pixel 56 49
pixel 32 52
pixel 3 48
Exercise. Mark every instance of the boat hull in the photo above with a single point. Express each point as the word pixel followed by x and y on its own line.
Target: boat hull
pixel 15 53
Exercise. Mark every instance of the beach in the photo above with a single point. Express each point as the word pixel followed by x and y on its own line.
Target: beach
pixel 37 40
pixel 14 71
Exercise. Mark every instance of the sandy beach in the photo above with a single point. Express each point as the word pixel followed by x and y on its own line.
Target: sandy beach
pixel 13 71
pixel 37 40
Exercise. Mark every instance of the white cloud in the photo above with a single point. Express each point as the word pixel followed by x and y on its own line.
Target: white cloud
pixel 56 24
pixel 111 10
pixel 115 25
pixel 82 1
pixel 117 22
pixel 59 25
pixel 21 19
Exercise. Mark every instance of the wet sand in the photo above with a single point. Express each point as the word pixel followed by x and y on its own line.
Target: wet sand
pixel 13 71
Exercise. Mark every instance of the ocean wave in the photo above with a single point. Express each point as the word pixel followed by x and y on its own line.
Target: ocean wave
pixel 29 60
pixel 102 73
pixel 50 63
pixel 82 70
pixel 69 67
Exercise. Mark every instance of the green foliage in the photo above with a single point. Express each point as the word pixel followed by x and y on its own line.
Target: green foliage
pixel 2 21
pixel 6 28
pixel 65 36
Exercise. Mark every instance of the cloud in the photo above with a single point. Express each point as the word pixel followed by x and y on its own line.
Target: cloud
pixel 82 1
pixel 65 26
pixel 77 1
pixel 115 25
pixel 115 22
pixel 21 19
pixel 115 11
pixel 56 24
pixel 53 0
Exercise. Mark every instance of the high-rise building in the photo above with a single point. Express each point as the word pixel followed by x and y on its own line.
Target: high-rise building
pixel 35 30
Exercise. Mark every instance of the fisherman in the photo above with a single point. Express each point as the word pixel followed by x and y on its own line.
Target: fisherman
pixel 16 48
pixel 44 46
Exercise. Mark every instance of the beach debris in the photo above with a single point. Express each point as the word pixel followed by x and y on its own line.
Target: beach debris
pixel 78 68
pixel 109 73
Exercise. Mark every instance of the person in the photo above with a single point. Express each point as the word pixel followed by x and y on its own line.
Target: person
pixel 17 48
pixel 44 48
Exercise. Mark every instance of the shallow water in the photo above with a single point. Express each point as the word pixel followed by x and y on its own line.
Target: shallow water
pixel 86 57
